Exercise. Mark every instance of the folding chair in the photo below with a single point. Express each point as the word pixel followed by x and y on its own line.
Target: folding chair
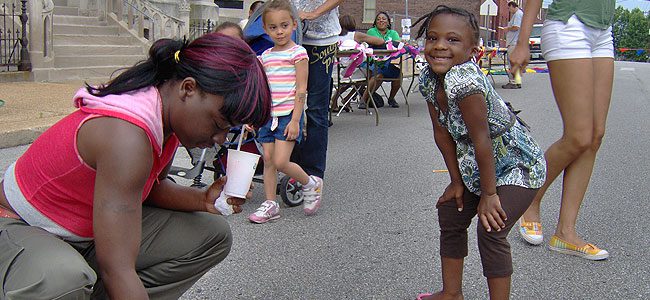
pixel 347 89
pixel 355 83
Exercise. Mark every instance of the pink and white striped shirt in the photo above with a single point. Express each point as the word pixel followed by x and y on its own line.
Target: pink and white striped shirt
pixel 280 67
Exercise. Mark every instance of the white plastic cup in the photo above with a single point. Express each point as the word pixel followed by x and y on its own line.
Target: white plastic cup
pixel 240 169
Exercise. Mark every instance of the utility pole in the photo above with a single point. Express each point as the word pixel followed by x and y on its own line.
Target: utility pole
pixel 407 9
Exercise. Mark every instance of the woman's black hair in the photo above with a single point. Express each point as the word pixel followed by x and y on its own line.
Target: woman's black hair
pixel 443 9
pixel 374 23
pixel 159 67
pixel 220 64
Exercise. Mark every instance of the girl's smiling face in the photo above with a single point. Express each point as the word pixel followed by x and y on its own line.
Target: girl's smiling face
pixel 449 42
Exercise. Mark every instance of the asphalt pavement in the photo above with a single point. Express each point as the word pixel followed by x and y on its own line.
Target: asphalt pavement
pixel 376 234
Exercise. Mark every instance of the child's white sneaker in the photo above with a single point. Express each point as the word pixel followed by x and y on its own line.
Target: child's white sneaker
pixel 269 210
pixel 312 197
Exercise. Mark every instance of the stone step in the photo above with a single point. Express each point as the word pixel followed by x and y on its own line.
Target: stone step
pixel 97 74
pixel 66 10
pixel 70 50
pixel 78 20
pixel 67 3
pixel 16 76
pixel 74 39
pixel 95 60
pixel 86 29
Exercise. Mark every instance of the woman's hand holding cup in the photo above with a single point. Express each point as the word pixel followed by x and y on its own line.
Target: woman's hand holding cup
pixel 218 203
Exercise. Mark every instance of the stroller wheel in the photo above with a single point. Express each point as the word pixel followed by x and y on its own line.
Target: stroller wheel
pixel 290 191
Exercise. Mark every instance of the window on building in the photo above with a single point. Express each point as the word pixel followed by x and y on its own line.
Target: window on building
pixel 237 4
pixel 369 10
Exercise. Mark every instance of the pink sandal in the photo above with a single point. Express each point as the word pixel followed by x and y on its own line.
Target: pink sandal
pixel 423 295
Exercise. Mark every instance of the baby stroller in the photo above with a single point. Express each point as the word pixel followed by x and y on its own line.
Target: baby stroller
pixel 288 188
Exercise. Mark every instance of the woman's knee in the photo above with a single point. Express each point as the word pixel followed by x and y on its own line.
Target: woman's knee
pixel 217 237
pixel 599 134
pixel 577 142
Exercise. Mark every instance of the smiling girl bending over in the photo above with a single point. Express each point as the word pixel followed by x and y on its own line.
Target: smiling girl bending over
pixel 476 134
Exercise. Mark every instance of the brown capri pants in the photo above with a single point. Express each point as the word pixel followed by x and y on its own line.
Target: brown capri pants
pixel 177 248
pixel 493 246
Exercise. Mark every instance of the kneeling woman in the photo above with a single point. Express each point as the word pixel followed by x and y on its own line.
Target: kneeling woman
pixel 73 223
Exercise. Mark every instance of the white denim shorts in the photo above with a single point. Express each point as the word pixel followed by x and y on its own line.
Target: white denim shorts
pixel 575 40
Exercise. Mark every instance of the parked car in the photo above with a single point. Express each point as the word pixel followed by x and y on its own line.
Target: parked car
pixel 535 42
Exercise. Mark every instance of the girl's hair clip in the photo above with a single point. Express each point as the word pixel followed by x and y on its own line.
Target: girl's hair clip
pixel 177 58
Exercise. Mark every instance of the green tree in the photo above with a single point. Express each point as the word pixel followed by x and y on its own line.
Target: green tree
pixel 631 29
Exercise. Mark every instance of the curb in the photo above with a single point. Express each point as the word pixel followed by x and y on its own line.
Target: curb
pixel 20 137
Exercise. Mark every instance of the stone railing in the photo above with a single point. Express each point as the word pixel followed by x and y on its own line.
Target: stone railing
pixel 147 21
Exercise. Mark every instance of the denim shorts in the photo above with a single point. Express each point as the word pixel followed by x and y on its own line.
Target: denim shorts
pixel 575 40
pixel 389 71
pixel 266 135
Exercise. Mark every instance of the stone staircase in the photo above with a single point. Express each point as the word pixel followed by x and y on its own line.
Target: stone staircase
pixel 87 48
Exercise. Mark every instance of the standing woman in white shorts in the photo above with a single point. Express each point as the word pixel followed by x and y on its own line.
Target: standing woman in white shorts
pixel 577 45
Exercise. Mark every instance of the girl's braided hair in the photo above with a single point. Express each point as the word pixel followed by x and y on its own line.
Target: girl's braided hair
pixel 443 9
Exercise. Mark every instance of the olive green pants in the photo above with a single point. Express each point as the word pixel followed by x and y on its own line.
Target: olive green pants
pixel 177 248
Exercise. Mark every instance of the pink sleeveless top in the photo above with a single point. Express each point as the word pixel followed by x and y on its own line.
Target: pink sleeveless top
pixel 52 175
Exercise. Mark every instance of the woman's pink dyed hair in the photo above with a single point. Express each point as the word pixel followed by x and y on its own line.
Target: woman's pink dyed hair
pixel 220 64
pixel 227 66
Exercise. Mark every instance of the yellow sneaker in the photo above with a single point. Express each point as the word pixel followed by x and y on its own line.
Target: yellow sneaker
pixel 531 232
pixel 588 251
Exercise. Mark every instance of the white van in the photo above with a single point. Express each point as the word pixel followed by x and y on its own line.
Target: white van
pixel 534 42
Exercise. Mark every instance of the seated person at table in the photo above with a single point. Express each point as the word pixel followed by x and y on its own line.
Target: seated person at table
pixel 349 33
pixel 382 28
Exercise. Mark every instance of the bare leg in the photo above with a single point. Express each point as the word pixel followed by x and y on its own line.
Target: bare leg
pixel 281 161
pixel 576 109
pixel 452 280
pixel 334 102
pixel 394 88
pixel 499 288
pixel 270 174
pixel 373 84
pixel 578 173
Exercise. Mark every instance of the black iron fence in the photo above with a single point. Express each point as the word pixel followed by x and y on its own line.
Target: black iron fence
pixel 14 55
pixel 200 27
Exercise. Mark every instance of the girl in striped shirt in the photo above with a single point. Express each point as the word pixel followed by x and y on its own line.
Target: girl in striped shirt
pixel 286 66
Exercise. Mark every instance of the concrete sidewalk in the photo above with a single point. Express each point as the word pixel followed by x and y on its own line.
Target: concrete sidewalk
pixel 31 107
